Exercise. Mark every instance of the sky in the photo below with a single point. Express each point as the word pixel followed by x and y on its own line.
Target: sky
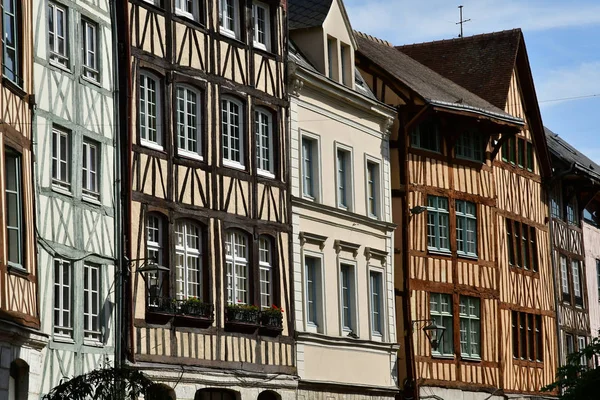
pixel 562 39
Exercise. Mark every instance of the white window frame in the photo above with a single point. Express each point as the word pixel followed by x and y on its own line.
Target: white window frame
pixel 90 292
pixel 16 193
pixel 344 177
pixel 153 2
pixel 310 172
pixel 187 8
pixel 12 53
pixel 185 131
pixel 317 324
pixel 60 158
pixel 265 160
pixel 144 116
pixel 235 19
pixel 54 54
pixel 90 169
pixel 228 133
pixel 444 318
pixel 577 281
pixel 348 319
pixel 373 188
pixel 237 270
pixel 346 64
pixel 564 275
pixel 266 44
pixel 581 344
pixel 185 284
pixel 63 307
pixel 466 235
pixel 435 215
pixel 470 318
pixel 265 265
pixel 90 62
pixel 155 248
pixel 377 305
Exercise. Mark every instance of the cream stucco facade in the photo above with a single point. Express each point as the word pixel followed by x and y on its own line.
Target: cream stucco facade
pixel 341 216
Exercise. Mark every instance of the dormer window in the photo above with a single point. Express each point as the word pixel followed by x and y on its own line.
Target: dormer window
pixel 332 62
pixel 230 18
pixel 262 26
pixel 346 60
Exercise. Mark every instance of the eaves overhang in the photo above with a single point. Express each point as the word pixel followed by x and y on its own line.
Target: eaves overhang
pixel 496 117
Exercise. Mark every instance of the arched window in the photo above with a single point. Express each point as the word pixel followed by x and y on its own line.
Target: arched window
pixel 263 129
pixel 189 141
pixel 159 391
pixel 232 118
pixel 265 261
pixel 188 263
pixel 149 111
pixel 155 250
pixel 268 395
pixel 236 258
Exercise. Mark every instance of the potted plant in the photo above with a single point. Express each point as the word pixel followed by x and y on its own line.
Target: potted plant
pixel 271 320
pixel 194 312
pixel 243 317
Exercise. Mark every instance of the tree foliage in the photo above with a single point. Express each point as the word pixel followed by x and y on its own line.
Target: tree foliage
pixel 577 380
pixel 103 384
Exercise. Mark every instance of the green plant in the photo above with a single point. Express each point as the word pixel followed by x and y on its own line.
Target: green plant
pixel 244 307
pixel 272 311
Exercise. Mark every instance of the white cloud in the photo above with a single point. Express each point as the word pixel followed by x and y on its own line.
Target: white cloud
pixel 403 22
pixel 566 83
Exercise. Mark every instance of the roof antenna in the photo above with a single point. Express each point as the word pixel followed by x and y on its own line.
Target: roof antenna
pixel 462 21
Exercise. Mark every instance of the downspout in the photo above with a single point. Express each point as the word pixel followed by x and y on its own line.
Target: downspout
pixel 117 188
pixel 125 148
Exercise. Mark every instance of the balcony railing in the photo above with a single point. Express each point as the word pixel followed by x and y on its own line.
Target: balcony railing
pixel 184 312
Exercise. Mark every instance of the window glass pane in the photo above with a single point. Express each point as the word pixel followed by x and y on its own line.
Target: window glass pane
pixel 376 298
pixel 188 261
pixel 236 257
pixel 441 313
pixel 264 146
pixel 231 129
pixel 266 272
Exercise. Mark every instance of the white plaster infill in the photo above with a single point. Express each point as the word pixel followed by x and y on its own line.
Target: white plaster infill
pixel 346 342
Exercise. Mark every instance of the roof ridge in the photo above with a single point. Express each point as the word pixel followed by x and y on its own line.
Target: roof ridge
pixel 372 38
pixel 467 38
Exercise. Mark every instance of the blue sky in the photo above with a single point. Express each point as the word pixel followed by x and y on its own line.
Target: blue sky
pixel 562 38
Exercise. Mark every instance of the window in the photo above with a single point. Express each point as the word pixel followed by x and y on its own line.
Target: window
pixel 263 129
pixel 466 228
pixel 236 258
pixel 230 17
pixel 577 287
pixel 18 380
pixel 10 40
pixel 564 277
pixel 345 58
pixel 527 336
pixel 61 158
pixel 569 344
pixel 581 344
pixel 14 208
pixel 186 8
pixel 555 208
pixel 63 297
pixel 572 213
pixel 509 150
pixel 90 50
pixel 530 156
pixel 347 297
pixel 469 327
pixel 57 34
pixel 150 129
pixel 265 263
pixel 470 146
pixel 344 178
pixel 91 301
pixel 309 167
pixel 521 245
pixel 91 163
pixel 313 294
pixel 231 126
pixel 376 285
pixel 331 58
pixel 426 136
pixel 372 189
pixel 155 250
pixel 188 261
pixel 188 122
pixel 262 28
pixel 519 151
pixel 440 309
pixel 598 277
pixel 437 224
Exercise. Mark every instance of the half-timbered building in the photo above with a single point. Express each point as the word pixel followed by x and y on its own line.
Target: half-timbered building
pixel 575 182
pixel 341 213
pixel 207 197
pixel 75 133
pixel 21 341
pixel 473 255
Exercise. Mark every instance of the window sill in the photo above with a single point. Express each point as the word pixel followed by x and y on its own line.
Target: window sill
pixel 234 164
pixel 61 67
pixel 151 145
pixel 376 337
pixel 14 87
pixel 442 356
pixel 93 343
pixel 467 256
pixel 185 14
pixel 229 33
pixel 260 46
pixel 15 269
pixel 190 155
pixel 470 358
pixel 310 327
pixel 373 216
pixel 63 339
pixel 61 189
pixel 92 200
pixel 265 174
pixel 439 252
pixel 92 81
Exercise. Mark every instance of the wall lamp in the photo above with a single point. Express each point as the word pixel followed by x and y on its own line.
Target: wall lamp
pixel 433 331
pixel 417 210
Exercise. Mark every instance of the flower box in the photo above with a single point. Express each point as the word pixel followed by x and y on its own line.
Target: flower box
pixel 271 321
pixel 242 318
